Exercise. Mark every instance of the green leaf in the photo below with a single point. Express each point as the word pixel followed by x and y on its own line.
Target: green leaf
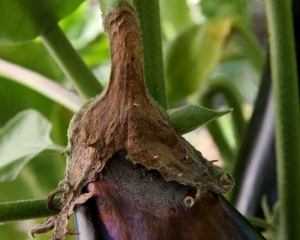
pixel 193 55
pixel 23 20
pixel 84 29
pixel 83 25
pixel 176 12
pixel 21 139
pixel 96 51
pixel 190 117
pixel 73 25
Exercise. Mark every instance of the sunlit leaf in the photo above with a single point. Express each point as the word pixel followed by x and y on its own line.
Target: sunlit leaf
pixel 190 117
pixel 193 55
pixel 23 20
pixel 74 24
pixel 84 29
pixel 83 25
pixel 177 13
pixel 21 139
pixel 96 51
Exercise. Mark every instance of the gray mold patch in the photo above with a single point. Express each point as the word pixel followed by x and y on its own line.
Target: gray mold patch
pixel 145 187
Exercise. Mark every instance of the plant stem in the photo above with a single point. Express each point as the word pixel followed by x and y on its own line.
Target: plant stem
pixel 41 84
pixel 218 136
pixel 258 222
pixel 148 12
pixel 285 87
pixel 220 85
pixel 22 210
pixel 71 63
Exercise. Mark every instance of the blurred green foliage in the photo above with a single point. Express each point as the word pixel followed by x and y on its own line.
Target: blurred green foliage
pixel 25 20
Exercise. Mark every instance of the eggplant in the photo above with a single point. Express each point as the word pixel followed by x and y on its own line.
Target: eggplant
pixel 131 202
pixel 126 159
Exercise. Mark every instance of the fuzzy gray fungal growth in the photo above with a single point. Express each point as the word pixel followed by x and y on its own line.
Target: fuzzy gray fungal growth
pixel 145 187
pixel 125 118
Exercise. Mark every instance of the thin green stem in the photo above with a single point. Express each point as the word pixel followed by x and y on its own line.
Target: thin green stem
pixel 258 222
pixel 41 84
pixel 22 210
pixel 220 85
pixel 216 131
pixel 285 88
pixel 71 63
pixel 148 12
pixel 217 134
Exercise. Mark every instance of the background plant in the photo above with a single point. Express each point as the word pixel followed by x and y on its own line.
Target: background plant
pixel 211 57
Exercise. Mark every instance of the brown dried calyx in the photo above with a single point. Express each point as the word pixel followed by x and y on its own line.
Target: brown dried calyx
pixel 126 118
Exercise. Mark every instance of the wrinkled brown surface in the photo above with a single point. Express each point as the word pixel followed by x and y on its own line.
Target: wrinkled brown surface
pixel 126 118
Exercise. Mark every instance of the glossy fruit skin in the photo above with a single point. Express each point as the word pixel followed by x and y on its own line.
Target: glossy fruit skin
pixel 115 212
